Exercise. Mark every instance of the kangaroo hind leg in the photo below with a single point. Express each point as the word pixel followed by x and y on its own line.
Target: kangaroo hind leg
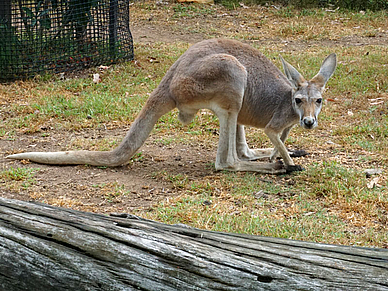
pixel 186 115
pixel 244 152
pixel 227 158
pixel 226 153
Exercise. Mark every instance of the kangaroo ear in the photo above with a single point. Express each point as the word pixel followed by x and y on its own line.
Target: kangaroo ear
pixel 293 75
pixel 327 69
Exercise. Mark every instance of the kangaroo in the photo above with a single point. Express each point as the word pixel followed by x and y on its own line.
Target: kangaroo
pixel 242 87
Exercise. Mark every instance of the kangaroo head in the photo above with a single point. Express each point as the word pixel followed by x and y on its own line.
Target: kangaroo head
pixel 307 95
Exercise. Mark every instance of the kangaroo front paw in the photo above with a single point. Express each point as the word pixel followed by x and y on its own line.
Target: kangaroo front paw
pixel 294 168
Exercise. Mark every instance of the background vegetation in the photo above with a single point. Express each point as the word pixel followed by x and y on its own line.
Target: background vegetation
pixel 355 5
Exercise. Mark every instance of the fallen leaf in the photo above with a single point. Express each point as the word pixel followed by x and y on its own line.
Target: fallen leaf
pixel 370 172
pixel 309 213
pixel 244 6
pixel 154 60
pixel 372 183
pixel 377 103
pixel 102 68
pixel 96 78
pixel 137 63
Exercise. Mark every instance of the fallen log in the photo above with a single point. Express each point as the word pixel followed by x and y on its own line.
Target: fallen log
pixel 48 248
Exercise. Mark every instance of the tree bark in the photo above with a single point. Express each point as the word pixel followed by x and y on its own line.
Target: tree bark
pixel 48 248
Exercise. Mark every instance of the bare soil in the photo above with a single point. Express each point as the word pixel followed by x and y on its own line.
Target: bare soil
pixel 90 188
pixel 118 189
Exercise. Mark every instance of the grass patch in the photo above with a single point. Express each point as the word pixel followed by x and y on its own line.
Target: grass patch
pixel 112 192
pixel 326 202
pixel 18 178
pixel 191 11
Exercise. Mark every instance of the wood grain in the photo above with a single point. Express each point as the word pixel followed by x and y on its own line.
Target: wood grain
pixel 48 248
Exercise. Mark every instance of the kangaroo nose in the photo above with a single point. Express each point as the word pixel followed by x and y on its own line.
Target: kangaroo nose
pixel 308 121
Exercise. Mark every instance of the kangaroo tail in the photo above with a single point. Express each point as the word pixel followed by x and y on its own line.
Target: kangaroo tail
pixel 156 106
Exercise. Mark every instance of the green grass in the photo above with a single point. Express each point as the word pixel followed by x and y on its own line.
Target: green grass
pixel 17 174
pixel 15 178
pixel 191 11
pixel 112 192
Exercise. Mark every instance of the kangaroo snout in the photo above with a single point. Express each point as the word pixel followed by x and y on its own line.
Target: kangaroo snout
pixel 309 122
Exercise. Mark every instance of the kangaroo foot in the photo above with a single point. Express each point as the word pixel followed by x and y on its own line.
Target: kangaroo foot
pixel 294 168
pixel 298 153
pixel 264 168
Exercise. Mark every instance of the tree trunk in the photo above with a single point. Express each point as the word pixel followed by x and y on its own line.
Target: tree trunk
pixel 48 248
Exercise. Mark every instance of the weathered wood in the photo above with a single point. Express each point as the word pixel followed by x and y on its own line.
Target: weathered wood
pixel 48 248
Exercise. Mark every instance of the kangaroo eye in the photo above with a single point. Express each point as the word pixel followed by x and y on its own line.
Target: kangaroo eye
pixel 319 100
pixel 298 100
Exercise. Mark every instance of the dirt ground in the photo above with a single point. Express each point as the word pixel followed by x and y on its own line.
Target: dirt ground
pixel 90 188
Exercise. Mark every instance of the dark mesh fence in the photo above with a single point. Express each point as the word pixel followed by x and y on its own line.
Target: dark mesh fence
pixel 61 35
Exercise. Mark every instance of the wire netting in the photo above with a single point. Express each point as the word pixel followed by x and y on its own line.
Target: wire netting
pixel 62 35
